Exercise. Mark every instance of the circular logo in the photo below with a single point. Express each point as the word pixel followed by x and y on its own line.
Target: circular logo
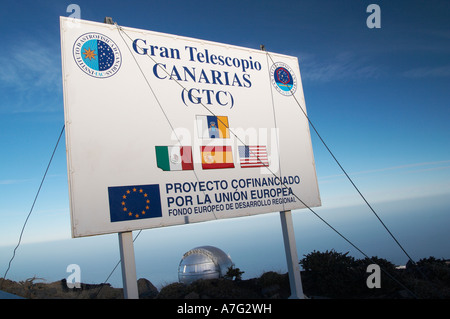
pixel 283 78
pixel 97 55
pixel 175 159
pixel 135 203
pixel 208 158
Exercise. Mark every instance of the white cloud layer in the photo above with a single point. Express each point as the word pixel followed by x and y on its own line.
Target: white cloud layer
pixel 30 78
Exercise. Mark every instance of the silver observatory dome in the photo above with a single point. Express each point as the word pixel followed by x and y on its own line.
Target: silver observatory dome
pixel 205 262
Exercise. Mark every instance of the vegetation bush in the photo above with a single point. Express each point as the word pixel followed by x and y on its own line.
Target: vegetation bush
pixel 330 274
pixel 233 273
pixel 429 277
pixel 337 275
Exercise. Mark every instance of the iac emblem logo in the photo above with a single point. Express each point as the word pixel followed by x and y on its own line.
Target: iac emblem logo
pixel 97 55
pixel 283 78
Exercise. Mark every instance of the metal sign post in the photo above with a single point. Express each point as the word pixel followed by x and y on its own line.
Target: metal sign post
pixel 290 247
pixel 130 289
pixel 127 260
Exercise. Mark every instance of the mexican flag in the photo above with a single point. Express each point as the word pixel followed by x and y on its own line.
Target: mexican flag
pixel 174 158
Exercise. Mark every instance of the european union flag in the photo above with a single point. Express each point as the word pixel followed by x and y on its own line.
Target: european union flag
pixel 134 202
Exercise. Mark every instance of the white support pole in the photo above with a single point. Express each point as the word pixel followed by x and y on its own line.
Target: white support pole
pixel 130 289
pixel 290 247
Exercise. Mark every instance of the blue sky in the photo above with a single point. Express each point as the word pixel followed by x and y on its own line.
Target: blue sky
pixel 379 98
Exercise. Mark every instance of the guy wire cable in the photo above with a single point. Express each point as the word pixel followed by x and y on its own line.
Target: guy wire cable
pixel 32 206
pixel 156 98
pixel 211 112
pixel 348 177
pixel 120 29
pixel 240 140
pixel 354 185
pixel 199 102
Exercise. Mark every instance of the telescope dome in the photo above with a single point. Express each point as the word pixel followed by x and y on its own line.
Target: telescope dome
pixel 205 262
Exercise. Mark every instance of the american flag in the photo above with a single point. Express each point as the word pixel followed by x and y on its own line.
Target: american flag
pixel 253 156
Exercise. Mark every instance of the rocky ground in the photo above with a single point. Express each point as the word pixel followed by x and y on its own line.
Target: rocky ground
pixel 269 285
pixel 327 275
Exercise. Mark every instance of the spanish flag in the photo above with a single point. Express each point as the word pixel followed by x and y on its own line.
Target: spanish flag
pixel 214 157
pixel 212 126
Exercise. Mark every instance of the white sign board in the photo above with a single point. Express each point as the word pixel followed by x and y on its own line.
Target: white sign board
pixel 165 130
